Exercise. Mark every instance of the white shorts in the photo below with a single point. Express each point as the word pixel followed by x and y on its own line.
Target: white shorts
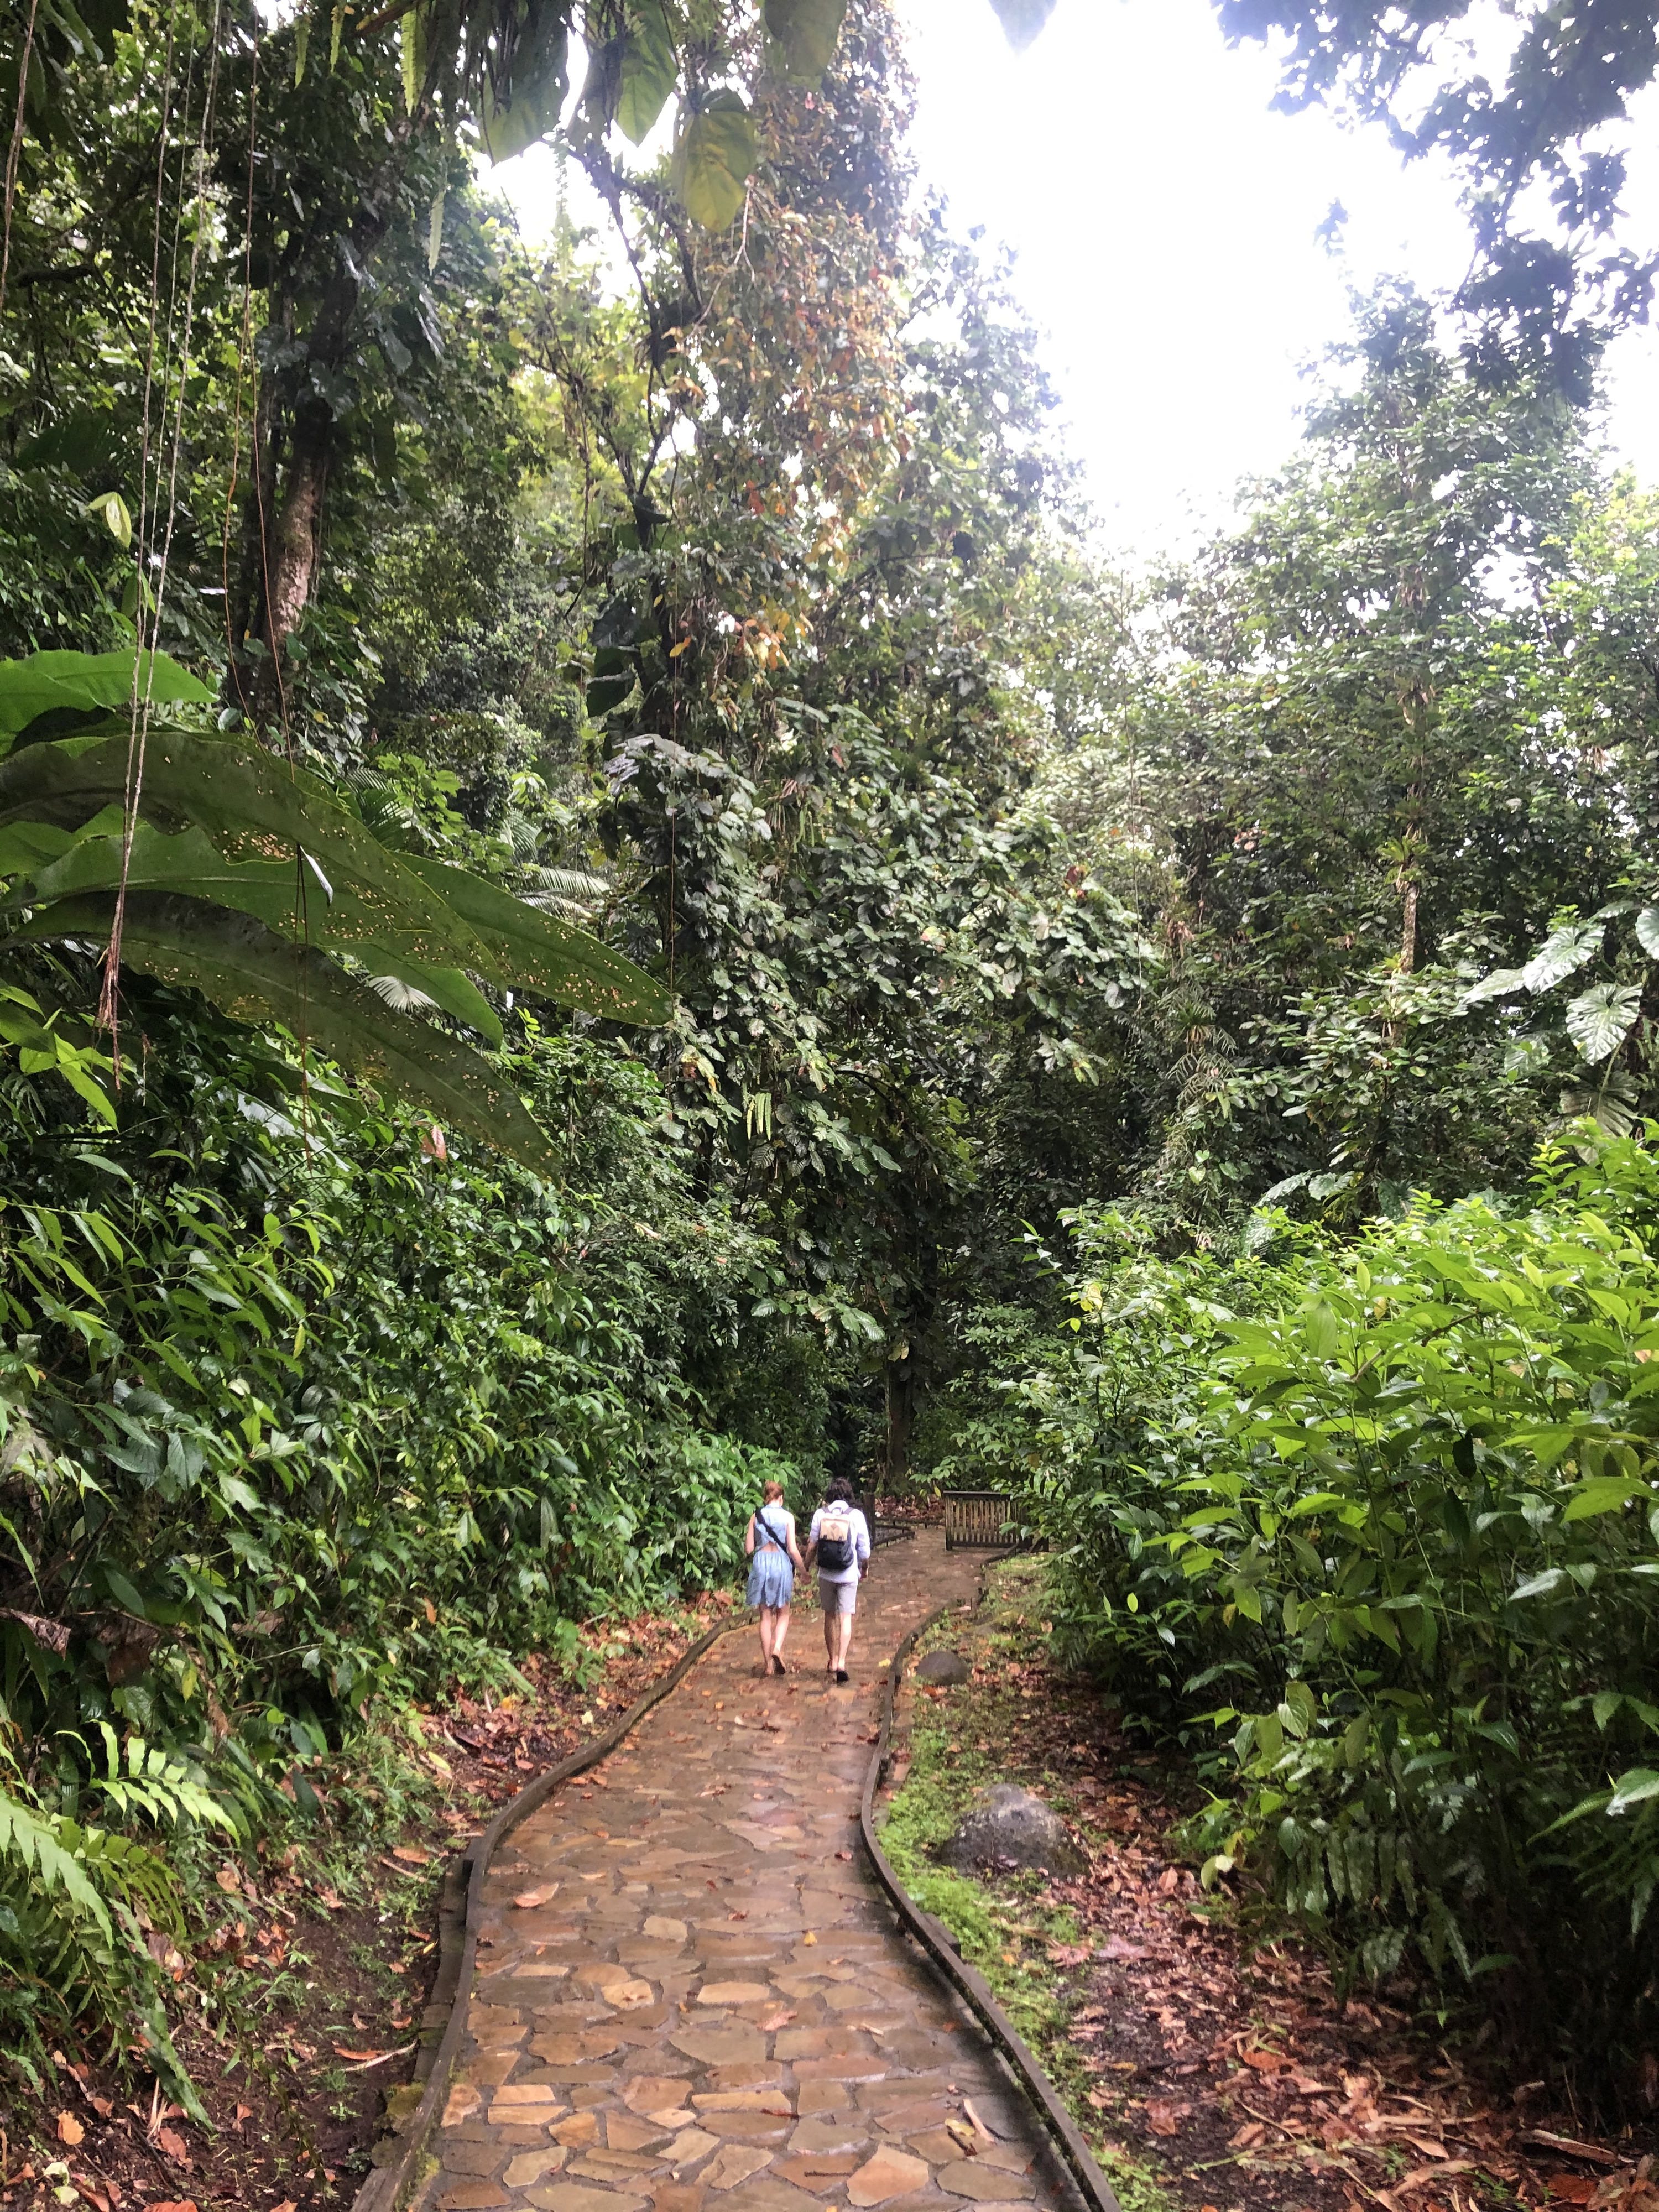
pixel 837 1596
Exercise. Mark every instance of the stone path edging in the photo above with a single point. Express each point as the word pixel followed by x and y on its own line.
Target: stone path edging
pixel 391 2188
pixel 937 1941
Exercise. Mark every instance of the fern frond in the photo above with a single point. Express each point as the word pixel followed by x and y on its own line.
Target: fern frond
pixel 31 1843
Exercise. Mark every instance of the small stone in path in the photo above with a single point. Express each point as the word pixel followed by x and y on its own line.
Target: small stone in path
pixel 571 2196
pixel 688 2146
pixel 735 2163
pixel 889 2173
pixel 532 2165
pixel 944 1666
pixel 970 2177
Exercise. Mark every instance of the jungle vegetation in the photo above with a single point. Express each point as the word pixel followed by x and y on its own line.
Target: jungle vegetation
pixel 601 893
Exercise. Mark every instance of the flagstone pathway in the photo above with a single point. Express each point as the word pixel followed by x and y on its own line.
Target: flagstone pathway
pixel 690 1993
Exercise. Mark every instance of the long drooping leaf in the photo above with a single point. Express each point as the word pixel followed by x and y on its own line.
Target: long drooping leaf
pixel 650 67
pixel 539 954
pixel 447 988
pixel 287 896
pixel 88 681
pixel 537 91
pixel 254 975
pixel 1023 19
pixel 257 810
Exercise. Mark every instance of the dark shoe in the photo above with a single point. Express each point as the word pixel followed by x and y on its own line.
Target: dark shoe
pixel 841 1673
pixel 779 1665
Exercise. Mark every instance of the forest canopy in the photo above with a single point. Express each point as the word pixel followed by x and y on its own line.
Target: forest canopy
pixel 603 895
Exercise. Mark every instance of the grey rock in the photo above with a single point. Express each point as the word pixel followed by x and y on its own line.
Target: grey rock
pixel 1005 1825
pixel 944 1666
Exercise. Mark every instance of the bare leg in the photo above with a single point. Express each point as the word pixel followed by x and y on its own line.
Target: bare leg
pixel 829 1620
pixel 767 1629
pixel 844 1638
pixel 779 1629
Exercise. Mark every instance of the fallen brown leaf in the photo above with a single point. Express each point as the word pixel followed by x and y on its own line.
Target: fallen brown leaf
pixel 1420 2174
pixel 1166 2119
pixel 174 2145
pixel 528 1899
pixel 1593 2152
pixel 69 2129
pixel 1115 1947
pixel 411 1855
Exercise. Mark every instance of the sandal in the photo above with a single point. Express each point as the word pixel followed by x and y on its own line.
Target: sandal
pixel 778 1665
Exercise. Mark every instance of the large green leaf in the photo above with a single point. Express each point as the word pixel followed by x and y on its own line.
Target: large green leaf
pixel 287 896
pixel 1560 953
pixel 287 899
pixel 712 161
pixel 1502 983
pixel 547 957
pixel 807 31
pixel 256 809
pixel 1599 1019
pixel 650 67
pixel 88 681
pixel 537 91
pixel 254 975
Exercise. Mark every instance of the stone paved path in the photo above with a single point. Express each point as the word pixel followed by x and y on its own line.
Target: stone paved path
pixel 690 1994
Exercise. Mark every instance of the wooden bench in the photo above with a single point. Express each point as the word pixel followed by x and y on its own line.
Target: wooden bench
pixel 975 1520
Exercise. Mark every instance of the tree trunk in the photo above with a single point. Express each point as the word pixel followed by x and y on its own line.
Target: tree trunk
pixel 296 531
pixel 902 1382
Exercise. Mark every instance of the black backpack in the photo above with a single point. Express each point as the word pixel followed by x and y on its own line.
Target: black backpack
pixel 835 1552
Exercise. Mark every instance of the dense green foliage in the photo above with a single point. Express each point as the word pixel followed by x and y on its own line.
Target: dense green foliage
pixel 1380 1514
pixel 735 642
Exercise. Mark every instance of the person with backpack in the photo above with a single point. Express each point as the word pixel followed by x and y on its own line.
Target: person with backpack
pixel 770 1541
pixel 839 1542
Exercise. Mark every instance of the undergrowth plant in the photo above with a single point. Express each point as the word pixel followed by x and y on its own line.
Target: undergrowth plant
pixel 1384 1515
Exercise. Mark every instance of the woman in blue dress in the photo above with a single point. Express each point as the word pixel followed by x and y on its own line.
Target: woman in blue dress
pixel 770 1541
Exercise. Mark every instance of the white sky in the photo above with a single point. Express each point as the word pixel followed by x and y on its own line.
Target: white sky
pixel 1163 218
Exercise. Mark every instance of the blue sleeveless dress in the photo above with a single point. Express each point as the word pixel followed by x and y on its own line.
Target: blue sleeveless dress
pixel 771 1575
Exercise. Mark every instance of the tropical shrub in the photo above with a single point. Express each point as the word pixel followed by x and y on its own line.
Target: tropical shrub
pixel 304 1415
pixel 1385 1514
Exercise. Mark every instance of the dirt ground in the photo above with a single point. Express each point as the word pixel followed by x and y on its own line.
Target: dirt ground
pixel 1216 2073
